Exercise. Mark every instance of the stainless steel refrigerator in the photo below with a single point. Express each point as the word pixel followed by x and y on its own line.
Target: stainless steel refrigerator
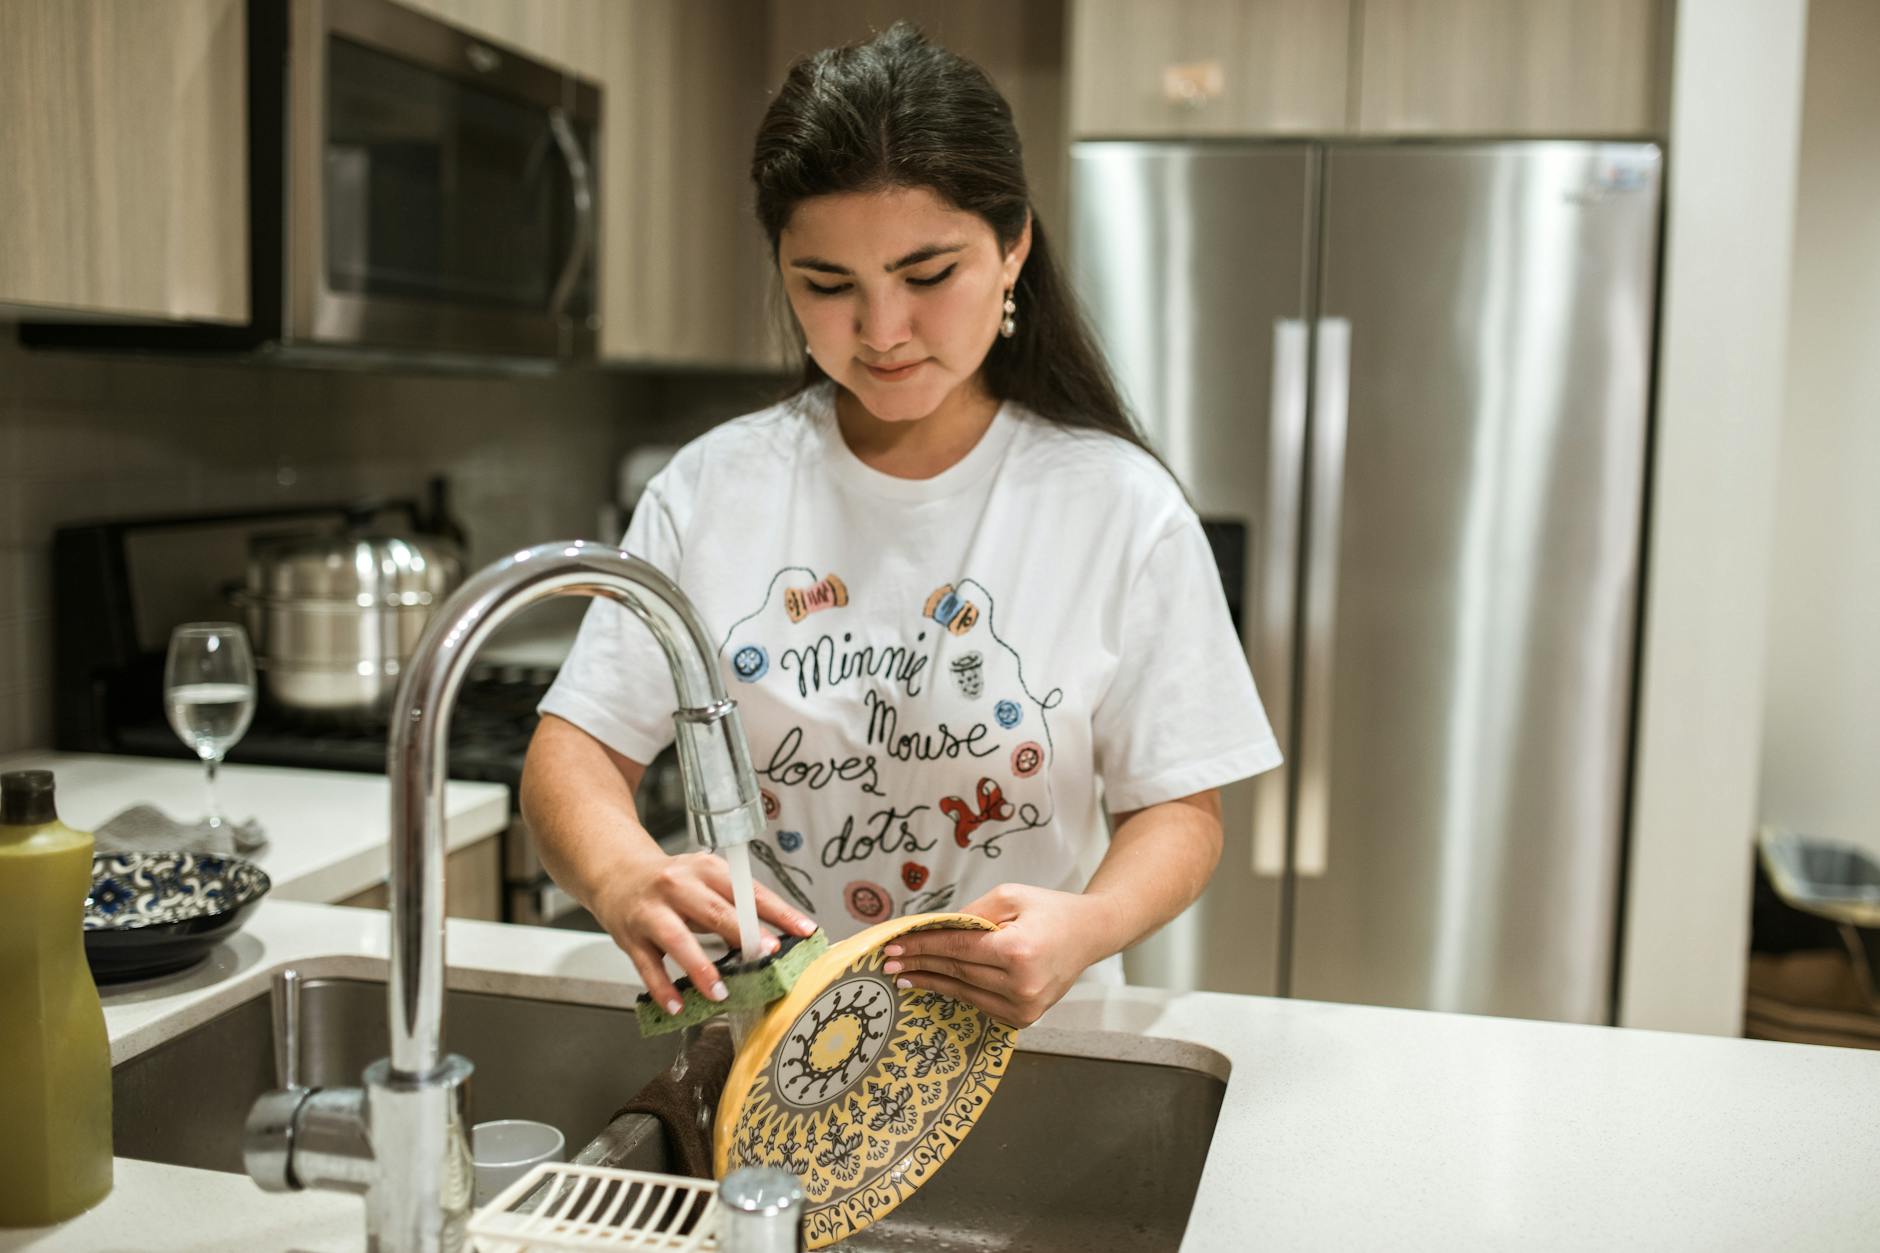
pixel 1408 387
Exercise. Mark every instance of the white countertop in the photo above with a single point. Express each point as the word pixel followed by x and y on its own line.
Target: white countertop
pixel 327 829
pixel 1342 1126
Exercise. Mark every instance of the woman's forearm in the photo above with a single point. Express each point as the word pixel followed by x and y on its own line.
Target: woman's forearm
pixel 577 798
pixel 1160 859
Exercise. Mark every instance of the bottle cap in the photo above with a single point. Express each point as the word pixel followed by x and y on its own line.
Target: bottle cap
pixel 26 798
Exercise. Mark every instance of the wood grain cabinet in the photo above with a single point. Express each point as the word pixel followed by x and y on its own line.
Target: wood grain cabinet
pixel 1511 67
pixel 1208 67
pixel 1368 67
pixel 123 159
pixel 684 271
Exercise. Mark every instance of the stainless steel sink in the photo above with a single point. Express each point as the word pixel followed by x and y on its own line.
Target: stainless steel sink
pixel 1076 1153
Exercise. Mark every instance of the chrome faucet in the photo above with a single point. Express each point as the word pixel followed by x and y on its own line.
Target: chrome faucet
pixel 404 1138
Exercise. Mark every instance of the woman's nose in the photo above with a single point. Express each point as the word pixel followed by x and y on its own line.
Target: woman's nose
pixel 883 324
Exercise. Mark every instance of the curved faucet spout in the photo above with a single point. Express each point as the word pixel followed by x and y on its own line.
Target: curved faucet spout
pixel 415 1203
pixel 714 757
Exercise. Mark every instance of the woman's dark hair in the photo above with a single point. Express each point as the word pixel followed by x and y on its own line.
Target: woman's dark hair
pixel 898 111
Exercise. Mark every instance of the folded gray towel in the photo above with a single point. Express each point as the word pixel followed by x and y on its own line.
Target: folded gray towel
pixel 147 829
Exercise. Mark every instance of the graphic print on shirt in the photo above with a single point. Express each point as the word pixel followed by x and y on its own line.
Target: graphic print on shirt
pixel 930 737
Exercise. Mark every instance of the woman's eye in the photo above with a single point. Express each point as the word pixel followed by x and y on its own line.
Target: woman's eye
pixel 936 280
pixel 820 290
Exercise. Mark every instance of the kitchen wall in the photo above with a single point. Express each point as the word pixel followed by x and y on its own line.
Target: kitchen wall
pixel 85 436
pixel 1821 752
pixel 1736 105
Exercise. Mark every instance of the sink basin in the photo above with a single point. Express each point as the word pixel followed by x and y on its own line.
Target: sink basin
pixel 1075 1153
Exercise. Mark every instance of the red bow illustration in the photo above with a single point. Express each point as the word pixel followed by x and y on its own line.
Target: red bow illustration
pixel 992 805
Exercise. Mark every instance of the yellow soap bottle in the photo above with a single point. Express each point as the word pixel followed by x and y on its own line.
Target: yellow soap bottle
pixel 55 1059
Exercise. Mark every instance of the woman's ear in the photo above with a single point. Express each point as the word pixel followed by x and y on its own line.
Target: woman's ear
pixel 1020 249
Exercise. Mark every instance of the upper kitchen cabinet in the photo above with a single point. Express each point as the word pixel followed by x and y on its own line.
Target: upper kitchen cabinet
pixel 123 137
pixel 1511 67
pixel 567 33
pixel 1208 67
pixel 684 272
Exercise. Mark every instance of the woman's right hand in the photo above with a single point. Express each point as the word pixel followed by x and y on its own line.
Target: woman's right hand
pixel 654 905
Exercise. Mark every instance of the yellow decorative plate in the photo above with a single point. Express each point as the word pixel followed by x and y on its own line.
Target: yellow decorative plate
pixel 859 1088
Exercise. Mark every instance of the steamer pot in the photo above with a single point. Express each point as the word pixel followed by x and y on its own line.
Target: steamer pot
pixel 334 617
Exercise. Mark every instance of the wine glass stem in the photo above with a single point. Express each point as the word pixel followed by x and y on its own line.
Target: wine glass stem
pixel 208 773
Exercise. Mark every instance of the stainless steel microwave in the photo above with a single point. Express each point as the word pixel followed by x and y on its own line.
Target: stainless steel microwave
pixel 415 192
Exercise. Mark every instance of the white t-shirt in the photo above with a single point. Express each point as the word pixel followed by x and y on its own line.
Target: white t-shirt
pixel 944 680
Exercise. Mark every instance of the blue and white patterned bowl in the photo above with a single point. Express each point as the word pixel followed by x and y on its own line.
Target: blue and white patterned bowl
pixel 152 913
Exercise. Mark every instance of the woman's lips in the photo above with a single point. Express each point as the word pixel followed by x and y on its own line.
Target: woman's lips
pixel 896 374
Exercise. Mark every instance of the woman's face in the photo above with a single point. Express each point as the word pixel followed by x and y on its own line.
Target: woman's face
pixel 899 294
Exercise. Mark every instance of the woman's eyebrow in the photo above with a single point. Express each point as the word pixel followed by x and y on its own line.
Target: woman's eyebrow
pixel 913 258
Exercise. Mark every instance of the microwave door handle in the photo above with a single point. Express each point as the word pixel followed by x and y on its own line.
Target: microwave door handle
pixel 582 180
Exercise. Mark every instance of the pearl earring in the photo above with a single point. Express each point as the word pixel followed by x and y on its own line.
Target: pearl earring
pixel 1009 326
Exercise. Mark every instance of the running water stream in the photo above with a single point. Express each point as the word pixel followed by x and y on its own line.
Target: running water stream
pixel 744 898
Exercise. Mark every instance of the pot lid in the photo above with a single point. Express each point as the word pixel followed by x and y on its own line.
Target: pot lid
pixel 365 570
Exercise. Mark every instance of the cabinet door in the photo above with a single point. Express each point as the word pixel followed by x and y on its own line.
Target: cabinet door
pixel 683 269
pixel 123 137
pixel 1208 67
pixel 1512 67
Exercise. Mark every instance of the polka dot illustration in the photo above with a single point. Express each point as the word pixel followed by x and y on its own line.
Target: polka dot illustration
pixel 867 902
pixel 789 841
pixel 1008 713
pixel 1027 760
pixel 750 663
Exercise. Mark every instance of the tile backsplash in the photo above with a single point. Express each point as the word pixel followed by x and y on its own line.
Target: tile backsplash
pixel 86 436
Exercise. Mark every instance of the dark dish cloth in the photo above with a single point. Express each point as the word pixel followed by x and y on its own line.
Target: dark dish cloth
pixel 147 829
pixel 685 1098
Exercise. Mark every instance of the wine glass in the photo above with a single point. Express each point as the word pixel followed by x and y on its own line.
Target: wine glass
pixel 209 694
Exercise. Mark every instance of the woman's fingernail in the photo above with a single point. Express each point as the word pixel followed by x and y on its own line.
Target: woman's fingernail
pixel 902 983
pixel 806 926
pixel 770 943
pixel 893 950
pixel 893 968
pixel 674 1005
pixel 719 992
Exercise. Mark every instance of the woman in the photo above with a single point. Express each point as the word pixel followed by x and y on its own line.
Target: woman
pixel 963 610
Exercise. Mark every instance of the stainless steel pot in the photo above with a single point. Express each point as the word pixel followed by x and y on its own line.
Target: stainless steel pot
pixel 333 617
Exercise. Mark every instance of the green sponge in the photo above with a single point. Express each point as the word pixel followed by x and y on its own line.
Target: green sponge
pixel 747 987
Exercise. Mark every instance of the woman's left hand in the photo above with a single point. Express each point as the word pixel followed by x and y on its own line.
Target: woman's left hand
pixel 1044 942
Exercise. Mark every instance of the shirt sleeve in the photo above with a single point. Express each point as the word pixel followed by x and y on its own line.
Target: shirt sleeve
pixel 615 684
pixel 1181 714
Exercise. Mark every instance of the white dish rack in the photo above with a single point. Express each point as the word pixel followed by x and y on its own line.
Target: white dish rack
pixel 598 1207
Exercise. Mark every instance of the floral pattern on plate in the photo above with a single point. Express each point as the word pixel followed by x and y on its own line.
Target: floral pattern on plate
pixel 866 1092
pixel 131 890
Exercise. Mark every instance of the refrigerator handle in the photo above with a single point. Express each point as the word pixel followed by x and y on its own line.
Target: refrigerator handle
pixel 1278 574
pixel 1331 400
